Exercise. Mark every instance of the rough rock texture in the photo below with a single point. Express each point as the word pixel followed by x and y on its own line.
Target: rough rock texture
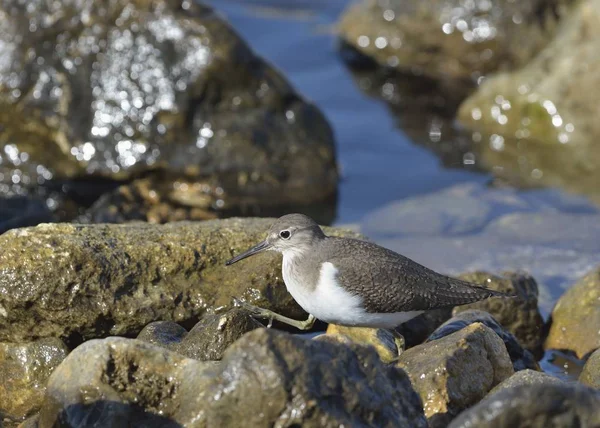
pixel 77 281
pixel 125 88
pixel 382 340
pixel 520 315
pixel 521 358
pixel 575 319
pixel 267 378
pixel 456 371
pixel 539 125
pixel 539 405
pixel 590 375
pixel 24 371
pixel 526 377
pixel 207 340
pixel 447 38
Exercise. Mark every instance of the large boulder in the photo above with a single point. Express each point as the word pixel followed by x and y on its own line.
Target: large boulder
pixel 456 371
pixel 539 125
pixel 116 90
pixel 547 404
pixel 267 378
pixel 575 320
pixel 88 281
pixel 447 38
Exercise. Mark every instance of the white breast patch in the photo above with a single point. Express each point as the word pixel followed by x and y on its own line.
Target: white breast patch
pixel 331 303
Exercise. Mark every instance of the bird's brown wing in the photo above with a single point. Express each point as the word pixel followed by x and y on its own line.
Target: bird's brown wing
pixel 389 282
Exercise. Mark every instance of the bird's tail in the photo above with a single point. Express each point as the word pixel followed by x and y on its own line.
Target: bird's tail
pixel 462 292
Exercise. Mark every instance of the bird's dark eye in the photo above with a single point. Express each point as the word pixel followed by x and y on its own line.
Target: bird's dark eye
pixel 285 234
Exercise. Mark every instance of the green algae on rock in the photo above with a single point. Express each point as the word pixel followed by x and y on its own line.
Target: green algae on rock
pixel 86 281
pixel 455 372
pixel 380 339
pixel 267 378
pixel 24 371
pixel 126 88
pixel 575 320
pixel 538 125
pixel 448 38
pixel 519 315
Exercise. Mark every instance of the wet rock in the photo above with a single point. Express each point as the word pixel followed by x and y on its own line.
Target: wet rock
pixel 418 329
pixel 521 358
pixel 447 38
pixel 539 405
pixel 167 334
pixel 576 317
pixel 590 375
pixel 538 126
pixel 526 377
pixel 24 371
pixel 454 372
pixel 383 341
pixel 519 315
pixel 86 281
pixel 267 378
pixel 161 88
pixel 207 340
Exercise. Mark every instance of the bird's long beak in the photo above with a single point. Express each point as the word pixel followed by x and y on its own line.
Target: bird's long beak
pixel 264 245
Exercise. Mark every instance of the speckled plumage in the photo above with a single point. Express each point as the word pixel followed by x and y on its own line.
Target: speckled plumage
pixel 387 281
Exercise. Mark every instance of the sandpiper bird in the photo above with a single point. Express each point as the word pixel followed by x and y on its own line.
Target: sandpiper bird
pixel 352 282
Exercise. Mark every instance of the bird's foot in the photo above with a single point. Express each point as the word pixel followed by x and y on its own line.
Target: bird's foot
pixel 267 314
pixel 400 345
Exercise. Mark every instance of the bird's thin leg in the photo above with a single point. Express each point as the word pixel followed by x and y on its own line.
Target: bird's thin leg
pixel 400 344
pixel 267 314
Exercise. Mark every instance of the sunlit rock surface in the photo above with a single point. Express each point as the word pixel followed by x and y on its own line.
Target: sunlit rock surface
pixel 539 125
pixel 126 88
pixel 467 228
pixel 448 38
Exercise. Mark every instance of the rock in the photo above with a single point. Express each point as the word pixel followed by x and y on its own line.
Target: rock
pixel 382 340
pixel 590 375
pixel 24 371
pixel 520 315
pixel 526 377
pixel 267 378
pixel 455 372
pixel 576 317
pixel 521 358
pixel 87 281
pixel 447 38
pixel 418 329
pixel 537 126
pixel 538 405
pixel 162 90
pixel 207 340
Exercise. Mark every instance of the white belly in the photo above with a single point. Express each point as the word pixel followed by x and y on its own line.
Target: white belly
pixel 330 303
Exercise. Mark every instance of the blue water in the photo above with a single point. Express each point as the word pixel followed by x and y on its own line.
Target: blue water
pixel 378 161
